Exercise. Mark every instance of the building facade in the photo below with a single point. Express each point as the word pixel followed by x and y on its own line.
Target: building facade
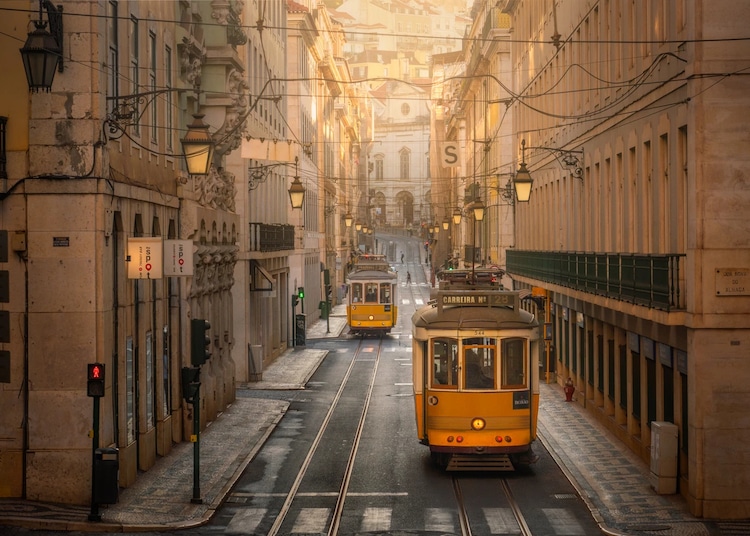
pixel 627 115
pixel 94 197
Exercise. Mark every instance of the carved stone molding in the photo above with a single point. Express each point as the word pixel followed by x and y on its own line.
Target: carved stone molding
pixel 191 53
pixel 217 190
pixel 229 136
pixel 214 269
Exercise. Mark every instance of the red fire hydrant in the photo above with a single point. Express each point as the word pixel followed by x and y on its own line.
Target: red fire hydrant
pixel 569 389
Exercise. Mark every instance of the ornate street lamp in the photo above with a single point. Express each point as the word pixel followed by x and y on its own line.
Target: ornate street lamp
pixel 198 147
pixel 42 52
pixel 348 219
pixel 522 181
pixel 457 217
pixel 446 224
pixel 296 190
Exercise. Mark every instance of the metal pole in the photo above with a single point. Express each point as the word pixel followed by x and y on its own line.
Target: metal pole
pixel 94 514
pixel 196 449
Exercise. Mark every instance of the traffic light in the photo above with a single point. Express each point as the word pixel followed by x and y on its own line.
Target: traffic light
pixel 200 342
pixel 301 293
pixel 191 382
pixel 95 385
pixel 295 300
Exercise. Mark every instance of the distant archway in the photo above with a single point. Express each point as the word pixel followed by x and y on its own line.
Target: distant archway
pixel 404 209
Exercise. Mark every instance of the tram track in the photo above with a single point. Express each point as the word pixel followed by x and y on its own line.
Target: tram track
pixel 340 495
pixel 506 497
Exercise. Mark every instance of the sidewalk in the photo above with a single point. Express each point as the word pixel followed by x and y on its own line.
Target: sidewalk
pixel 614 483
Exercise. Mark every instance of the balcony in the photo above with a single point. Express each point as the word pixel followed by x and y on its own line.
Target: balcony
pixel 271 237
pixel 655 281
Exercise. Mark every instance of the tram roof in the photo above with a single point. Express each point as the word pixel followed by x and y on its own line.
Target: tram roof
pixel 372 275
pixel 474 310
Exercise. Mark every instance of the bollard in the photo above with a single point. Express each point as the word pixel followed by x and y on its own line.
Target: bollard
pixel 569 389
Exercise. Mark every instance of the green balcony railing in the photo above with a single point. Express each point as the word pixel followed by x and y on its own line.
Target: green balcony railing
pixel 271 237
pixel 655 281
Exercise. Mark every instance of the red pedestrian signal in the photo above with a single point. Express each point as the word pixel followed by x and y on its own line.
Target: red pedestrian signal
pixel 95 384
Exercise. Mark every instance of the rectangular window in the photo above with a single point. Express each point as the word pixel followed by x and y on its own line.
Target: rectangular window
pixel 444 363
pixel 152 84
pixel 385 293
pixel 112 57
pixel 356 293
pixel 129 390
pixel 371 296
pixel 513 366
pixel 150 381
pixel 379 169
pixel 166 386
pixel 169 112
pixel 3 155
pixel 134 60
pixel 479 368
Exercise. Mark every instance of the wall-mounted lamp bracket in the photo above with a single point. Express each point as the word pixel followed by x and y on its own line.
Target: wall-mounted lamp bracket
pixel 567 158
pixel 128 109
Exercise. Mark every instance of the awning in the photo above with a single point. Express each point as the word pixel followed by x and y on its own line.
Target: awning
pixel 260 279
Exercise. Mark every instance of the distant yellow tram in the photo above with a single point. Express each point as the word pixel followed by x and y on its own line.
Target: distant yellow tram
pixel 371 306
pixel 476 374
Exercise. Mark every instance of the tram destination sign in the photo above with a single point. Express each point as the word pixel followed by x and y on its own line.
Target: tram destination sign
pixel 469 298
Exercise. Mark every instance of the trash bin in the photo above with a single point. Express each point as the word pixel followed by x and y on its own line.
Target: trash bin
pixel 106 476
pixel 323 306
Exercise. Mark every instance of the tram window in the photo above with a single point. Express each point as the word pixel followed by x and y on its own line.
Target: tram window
pixel 479 367
pixel 513 363
pixel 385 293
pixel 356 292
pixel 444 363
pixel 372 293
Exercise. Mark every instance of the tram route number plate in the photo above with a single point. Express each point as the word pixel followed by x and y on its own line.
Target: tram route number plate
pixel 733 281
pixel 478 299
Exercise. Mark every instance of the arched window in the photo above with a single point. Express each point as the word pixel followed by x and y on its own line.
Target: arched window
pixel 405 156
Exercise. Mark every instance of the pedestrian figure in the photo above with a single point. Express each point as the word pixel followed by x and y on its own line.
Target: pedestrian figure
pixel 408 278
pixel 402 258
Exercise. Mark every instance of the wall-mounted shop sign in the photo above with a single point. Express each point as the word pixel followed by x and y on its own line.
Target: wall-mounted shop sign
pixel 178 257
pixel 144 258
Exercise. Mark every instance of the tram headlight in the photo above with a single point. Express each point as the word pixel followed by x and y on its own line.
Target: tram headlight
pixel 478 423
pixel 371 317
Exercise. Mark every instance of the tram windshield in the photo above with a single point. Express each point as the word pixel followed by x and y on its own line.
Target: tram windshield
pixel 445 362
pixel 356 293
pixel 479 363
pixel 371 294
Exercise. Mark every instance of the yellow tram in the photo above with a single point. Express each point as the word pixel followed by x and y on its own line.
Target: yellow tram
pixel 475 363
pixel 371 306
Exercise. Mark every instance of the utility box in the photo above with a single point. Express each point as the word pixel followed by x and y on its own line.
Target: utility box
pixel 106 486
pixel 255 363
pixel 664 465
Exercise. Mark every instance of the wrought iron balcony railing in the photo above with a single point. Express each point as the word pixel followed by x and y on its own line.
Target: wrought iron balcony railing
pixel 271 237
pixel 655 281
